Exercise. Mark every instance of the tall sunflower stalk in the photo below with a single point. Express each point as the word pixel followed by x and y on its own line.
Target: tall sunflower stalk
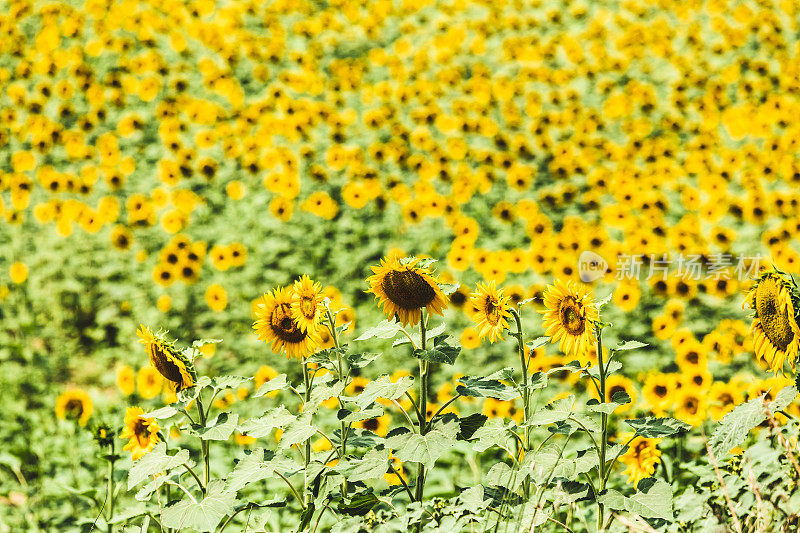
pixel 331 325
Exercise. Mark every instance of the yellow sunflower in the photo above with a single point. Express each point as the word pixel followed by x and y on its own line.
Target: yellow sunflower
pixel 568 316
pixel 274 323
pixel 491 310
pixel 142 432
pixel 776 335
pixel 74 404
pixel 307 306
pixel 641 459
pixel 170 363
pixel 126 380
pixel 403 288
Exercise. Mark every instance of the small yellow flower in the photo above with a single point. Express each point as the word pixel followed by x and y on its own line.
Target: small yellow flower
pixel 126 380
pixel 18 272
pixel 641 459
pixel 216 297
pixel 141 432
pixel 74 404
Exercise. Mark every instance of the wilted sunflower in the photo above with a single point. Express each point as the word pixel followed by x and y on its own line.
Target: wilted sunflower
pixel 776 335
pixel 491 310
pixel 74 404
pixel 641 459
pixel 404 288
pixel 568 317
pixel 274 323
pixel 142 432
pixel 170 363
pixel 307 306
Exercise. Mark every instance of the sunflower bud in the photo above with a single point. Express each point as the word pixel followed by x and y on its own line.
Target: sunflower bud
pixel 167 359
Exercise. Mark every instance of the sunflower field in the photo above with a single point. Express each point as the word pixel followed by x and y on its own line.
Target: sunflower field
pixel 399 265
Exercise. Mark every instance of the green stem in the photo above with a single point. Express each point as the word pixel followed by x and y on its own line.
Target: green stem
pixel 110 489
pixel 204 445
pixel 423 407
pixel 307 446
pixel 525 393
pixel 344 429
pixel 598 330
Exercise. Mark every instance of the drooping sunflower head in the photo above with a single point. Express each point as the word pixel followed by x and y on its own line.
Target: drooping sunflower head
pixel 776 335
pixel 74 404
pixel 307 303
pixel 641 459
pixel 405 286
pixel 491 310
pixel 141 432
pixel 170 362
pixel 274 323
pixel 568 317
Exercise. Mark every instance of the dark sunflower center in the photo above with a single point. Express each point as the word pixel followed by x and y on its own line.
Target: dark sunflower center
pixel 74 408
pixel 693 357
pixel 308 308
pixel 408 289
pixel 661 391
pixel 571 318
pixel 371 424
pixel 691 405
pixel 774 317
pixel 142 432
pixel 164 364
pixel 613 390
pixel 492 311
pixel 726 399
pixel 284 327
pixel 641 447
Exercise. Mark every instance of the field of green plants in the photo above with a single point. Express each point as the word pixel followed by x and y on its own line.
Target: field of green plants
pixel 399 265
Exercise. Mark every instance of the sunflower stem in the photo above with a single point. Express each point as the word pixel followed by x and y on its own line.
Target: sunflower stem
pixel 335 336
pixel 204 443
pixel 423 408
pixel 598 330
pixel 307 446
pixel 110 489
pixel 525 391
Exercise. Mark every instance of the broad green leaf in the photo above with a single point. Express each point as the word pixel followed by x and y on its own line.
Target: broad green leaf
pixel 383 388
pixel 373 465
pixel 443 351
pixel 202 342
pixel 485 387
pixel 449 288
pixel 735 426
pixel 203 515
pixel 602 302
pixel 322 393
pixel 611 367
pixel 470 424
pixel 501 475
pixel 156 462
pixel 619 398
pixel 425 449
pixel 219 428
pixel 547 462
pixel 538 342
pixel 657 427
pixel 259 427
pixel 386 329
pixel 345 415
pixel 493 433
pixel 359 505
pixel 257 465
pixel 783 399
pixel 655 503
pixel 360 360
pixel 613 500
pixel 628 345
pixel 298 431
pixel 327 358
pixel 554 412
pixel 429 334
pixel 276 383
pixel 159 414
pixel 228 382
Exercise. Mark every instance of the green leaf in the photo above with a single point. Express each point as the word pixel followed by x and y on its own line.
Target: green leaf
pixel 501 475
pixel 259 427
pixel 219 428
pixel 298 431
pixel 735 426
pixel 276 383
pixel 373 465
pixel 360 360
pixel 783 399
pixel 159 414
pixel 429 334
pixel 359 505
pixel 554 412
pixel 156 462
pixel 493 433
pixel 485 387
pixel 538 342
pixel 655 503
pixel 611 367
pixel 657 427
pixel 628 345
pixel 386 329
pixel 619 398
pixel 425 449
pixel 203 515
pixel 202 342
pixel 449 288
pixel 228 382
pixel 613 500
pixel 470 424
pixel 322 393
pixel 443 351
pixel 383 388
pixel 327 358
pixel 604 301
pixel 348 416
pixel 256 465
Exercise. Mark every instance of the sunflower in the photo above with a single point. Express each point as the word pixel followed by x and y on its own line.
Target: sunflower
pixel 126 380
pixel 142 432
pixel 657 391
pixel 776 335
pixel 491 310
pixel 568 316
pixel 723 397
pixel 149 382
pixel 274 323
pixel 307 306
pixel 641 459
pixel 403 288
pixel 165 358
pixel 74 404
pixel 379 425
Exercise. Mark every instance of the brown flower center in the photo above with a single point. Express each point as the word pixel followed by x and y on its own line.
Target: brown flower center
pixel 142 432
pixel 408 289
pixel 571 317
pixel 74 408
pixel 774 318
pixel 284 327
pixel 371 424
pixel 660 391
